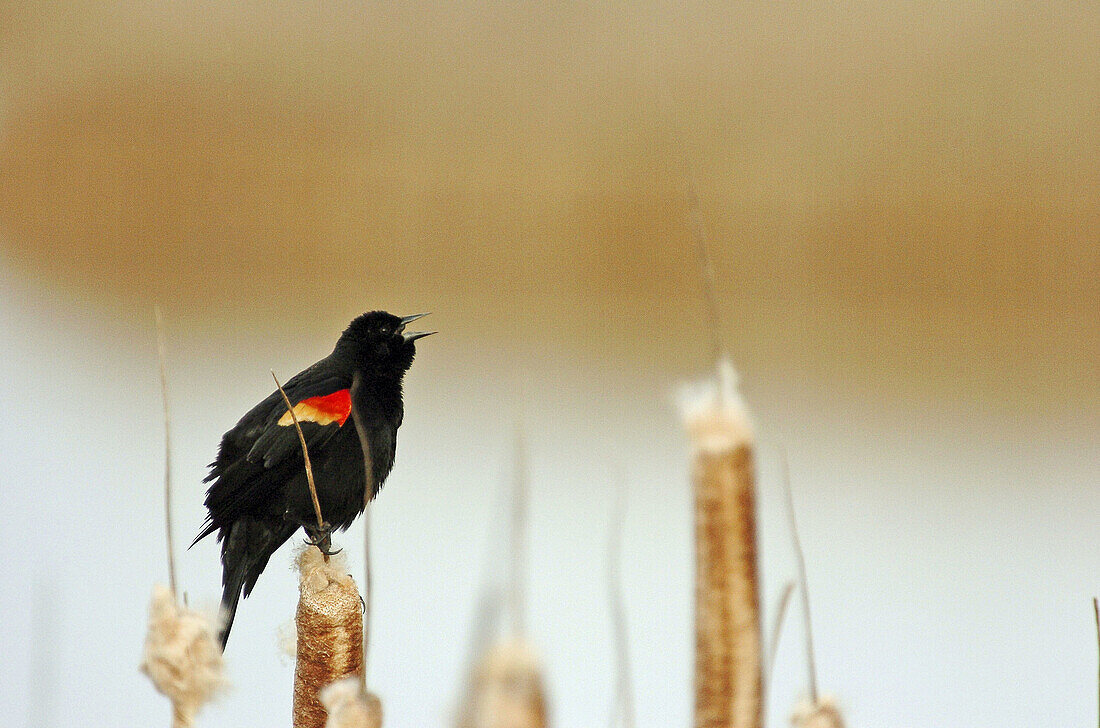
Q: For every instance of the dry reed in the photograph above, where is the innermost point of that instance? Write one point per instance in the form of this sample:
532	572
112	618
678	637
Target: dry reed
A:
777	628
305	456
368	494
163	367
1096	613
811	662
623	707
818	711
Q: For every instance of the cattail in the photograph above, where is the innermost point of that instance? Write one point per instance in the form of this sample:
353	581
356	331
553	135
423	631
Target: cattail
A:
329	623
507	690
822	714
350	706
728	678
182	656
505	687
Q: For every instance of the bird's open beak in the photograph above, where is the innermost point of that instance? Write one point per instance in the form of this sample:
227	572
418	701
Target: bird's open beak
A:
413	335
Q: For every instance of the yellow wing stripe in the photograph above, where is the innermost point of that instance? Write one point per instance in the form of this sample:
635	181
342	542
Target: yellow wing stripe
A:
325	410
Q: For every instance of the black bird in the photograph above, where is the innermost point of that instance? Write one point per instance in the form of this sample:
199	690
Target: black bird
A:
259	495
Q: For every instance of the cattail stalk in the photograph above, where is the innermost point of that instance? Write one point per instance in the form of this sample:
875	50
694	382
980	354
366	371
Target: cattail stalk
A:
1096	613
819	711
811	663
623	712
776	632
167	451
329	622
368	493
728	675
517	570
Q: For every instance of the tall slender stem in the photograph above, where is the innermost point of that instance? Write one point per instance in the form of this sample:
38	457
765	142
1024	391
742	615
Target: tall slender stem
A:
305	456
167	451
1096	610
624	689
367	588
519	527
706	268
368	494
777	630
803	583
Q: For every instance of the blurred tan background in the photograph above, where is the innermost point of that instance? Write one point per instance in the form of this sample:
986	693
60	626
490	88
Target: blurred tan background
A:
901	201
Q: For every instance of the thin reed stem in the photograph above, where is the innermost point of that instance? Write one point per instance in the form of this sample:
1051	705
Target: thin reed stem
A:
624	689
777	631
706	269
811	664
167	450
1096	610
519	527
368	494
368	591
305	456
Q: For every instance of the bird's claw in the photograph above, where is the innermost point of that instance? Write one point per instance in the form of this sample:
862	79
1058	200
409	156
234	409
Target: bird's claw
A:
324	546
322	539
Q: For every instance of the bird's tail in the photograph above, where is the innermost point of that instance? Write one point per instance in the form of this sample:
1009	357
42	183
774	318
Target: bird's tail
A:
246	547
231	594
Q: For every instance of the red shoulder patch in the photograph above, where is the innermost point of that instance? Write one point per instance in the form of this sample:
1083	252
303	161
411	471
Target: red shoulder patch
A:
323	410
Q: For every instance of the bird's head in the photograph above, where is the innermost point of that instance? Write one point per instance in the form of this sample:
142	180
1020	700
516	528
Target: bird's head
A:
378	343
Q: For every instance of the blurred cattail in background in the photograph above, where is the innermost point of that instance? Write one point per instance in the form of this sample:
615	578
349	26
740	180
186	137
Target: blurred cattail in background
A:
820	714
505	687
182	656
349	706
728	662
507	690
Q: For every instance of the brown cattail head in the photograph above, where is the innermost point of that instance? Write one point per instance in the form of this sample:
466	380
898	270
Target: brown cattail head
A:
182	656
507	690
728	677
329	622
823	714
350	706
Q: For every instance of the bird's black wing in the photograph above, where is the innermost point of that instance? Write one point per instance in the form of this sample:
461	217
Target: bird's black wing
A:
264	443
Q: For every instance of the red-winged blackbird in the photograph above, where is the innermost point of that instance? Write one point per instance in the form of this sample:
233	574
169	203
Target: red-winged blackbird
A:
259	495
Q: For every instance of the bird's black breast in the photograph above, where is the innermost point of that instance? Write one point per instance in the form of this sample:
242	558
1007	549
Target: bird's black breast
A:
338	472
340	468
